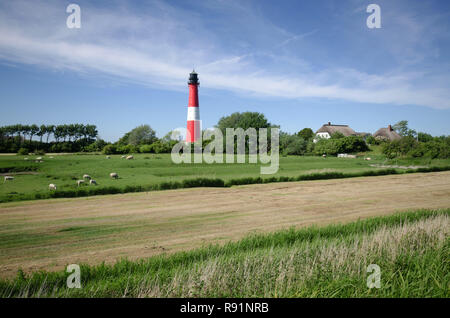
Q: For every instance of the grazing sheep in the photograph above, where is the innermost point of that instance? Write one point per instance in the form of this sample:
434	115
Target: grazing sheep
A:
79	182
324	155
108	157
130	157
86	176
8	178
114	175
52	186
368	158
122	157
92	181
39	158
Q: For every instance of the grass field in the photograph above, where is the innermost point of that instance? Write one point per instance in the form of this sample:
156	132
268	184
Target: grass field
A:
164	237
149	170
48	234
412	250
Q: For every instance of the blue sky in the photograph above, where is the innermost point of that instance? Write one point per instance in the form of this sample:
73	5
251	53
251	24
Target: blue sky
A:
301	63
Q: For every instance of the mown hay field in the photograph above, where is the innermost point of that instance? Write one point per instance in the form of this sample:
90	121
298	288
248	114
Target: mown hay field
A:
411	251
49	234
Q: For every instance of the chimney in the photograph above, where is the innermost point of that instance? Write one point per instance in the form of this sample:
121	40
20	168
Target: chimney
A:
390	128
329	123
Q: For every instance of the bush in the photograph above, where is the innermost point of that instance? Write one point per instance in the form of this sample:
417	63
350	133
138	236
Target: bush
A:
203	182
401	147
145	149
351	144
161	147
337	135
97	145
114	149
127	149
339	144
39	152
433	149
293	145
326	146
109	150
371	140
23	152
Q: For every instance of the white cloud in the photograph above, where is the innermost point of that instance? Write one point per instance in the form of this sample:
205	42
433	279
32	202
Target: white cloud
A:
158	48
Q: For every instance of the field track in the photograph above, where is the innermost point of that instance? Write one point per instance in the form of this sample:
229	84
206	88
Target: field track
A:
49	234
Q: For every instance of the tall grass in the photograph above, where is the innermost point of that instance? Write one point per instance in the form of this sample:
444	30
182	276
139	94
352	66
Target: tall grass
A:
207	182
412	250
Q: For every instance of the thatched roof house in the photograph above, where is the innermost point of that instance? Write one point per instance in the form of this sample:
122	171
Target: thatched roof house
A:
328	129
387	134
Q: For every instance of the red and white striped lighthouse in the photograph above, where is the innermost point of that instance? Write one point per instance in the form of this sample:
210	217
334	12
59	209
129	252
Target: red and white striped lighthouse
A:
193	116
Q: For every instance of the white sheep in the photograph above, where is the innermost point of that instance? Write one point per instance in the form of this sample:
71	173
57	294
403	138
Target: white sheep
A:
86	176
52	186
114	175
92	181
8	178
324	155
108	157
122	157
130	157
79	182
39	158
368	158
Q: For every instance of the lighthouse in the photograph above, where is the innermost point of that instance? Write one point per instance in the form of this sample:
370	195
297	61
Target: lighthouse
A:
193	115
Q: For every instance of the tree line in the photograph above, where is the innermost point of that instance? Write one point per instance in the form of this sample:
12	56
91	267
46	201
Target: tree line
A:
74	136
143	139
71	132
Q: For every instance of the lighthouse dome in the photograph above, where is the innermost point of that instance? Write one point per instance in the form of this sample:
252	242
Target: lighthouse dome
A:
193	78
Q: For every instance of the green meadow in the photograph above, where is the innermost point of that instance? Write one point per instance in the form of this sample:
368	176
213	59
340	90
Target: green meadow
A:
157	171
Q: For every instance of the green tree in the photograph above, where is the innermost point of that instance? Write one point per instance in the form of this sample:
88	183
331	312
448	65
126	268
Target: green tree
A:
25	129
243	120
401	127
91	131
71	131
59	132
403	130
41	132
424	137
34	129
79	131
168	137
142	134
306	133
293	145
50	129
18	129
